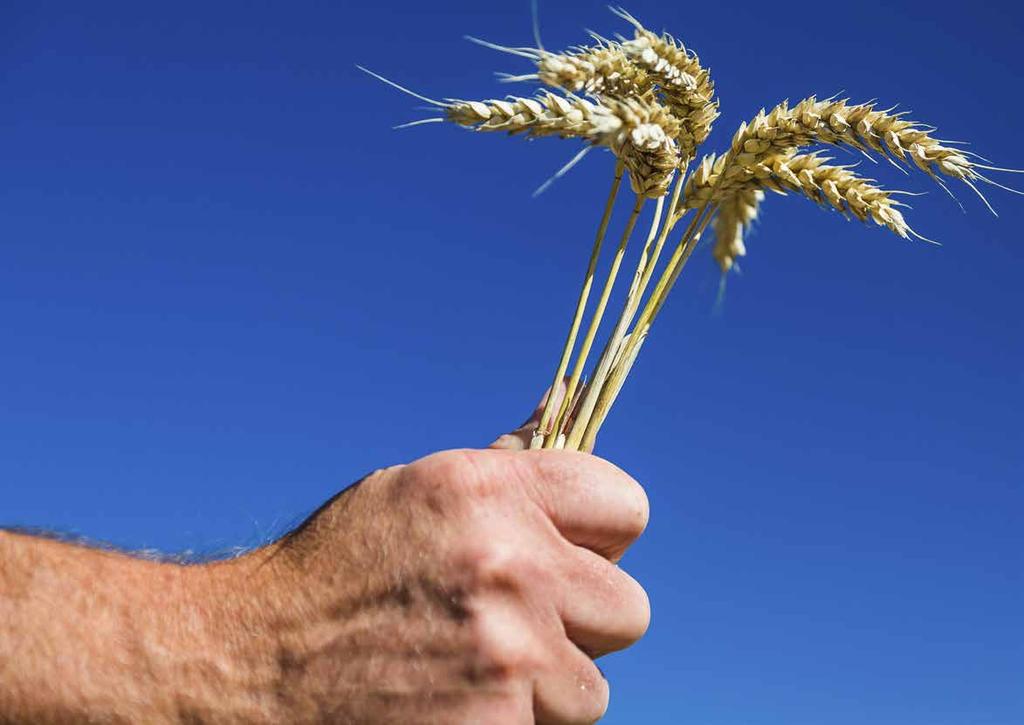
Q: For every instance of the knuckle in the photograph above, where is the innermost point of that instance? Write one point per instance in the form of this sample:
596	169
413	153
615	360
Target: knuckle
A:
448	475
455	468
492	563
503	650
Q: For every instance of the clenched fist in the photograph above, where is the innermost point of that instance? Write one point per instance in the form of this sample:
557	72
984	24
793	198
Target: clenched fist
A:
471	586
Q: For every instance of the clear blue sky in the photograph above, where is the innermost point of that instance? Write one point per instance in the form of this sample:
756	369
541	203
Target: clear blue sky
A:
228	288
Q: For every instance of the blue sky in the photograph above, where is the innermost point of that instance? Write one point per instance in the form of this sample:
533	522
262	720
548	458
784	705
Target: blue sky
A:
228	288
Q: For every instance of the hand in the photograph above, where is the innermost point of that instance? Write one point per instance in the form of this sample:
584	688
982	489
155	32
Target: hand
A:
468	586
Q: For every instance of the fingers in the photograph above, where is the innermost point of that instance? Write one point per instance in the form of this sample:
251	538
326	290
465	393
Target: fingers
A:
531	542
519	439
593	503
573	690
602	607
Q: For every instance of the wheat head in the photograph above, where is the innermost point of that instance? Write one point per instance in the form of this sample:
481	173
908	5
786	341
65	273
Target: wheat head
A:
809	174
837	122
646	144
598	71
685	84
639	131
547	114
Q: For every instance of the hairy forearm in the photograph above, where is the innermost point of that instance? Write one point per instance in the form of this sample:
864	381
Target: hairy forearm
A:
89	635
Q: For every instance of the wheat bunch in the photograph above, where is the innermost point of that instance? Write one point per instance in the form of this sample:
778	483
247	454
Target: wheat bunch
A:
651	102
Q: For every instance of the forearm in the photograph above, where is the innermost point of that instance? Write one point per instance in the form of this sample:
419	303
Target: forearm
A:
96	635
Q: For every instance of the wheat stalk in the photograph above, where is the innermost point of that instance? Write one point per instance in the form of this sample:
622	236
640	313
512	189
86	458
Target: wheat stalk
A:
588	279
595	321
615	341
599	399
645	269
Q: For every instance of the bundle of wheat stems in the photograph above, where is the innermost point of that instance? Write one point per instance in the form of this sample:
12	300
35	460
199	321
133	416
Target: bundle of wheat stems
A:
649	101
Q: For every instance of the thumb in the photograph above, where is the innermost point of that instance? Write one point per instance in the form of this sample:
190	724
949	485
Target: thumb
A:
519	439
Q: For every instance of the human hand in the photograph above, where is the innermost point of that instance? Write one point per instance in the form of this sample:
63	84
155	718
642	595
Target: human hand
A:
467	586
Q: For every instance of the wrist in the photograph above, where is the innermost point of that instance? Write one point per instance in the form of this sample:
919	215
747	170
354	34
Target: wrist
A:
222	641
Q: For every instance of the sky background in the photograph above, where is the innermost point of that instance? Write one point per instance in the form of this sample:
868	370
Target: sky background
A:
228	289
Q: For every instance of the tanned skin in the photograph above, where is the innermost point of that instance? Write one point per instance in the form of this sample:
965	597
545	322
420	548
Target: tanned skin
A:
470	586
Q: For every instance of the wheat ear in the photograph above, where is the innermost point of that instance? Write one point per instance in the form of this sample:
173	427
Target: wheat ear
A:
684	83
640	132
597	71
861	126
809	174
